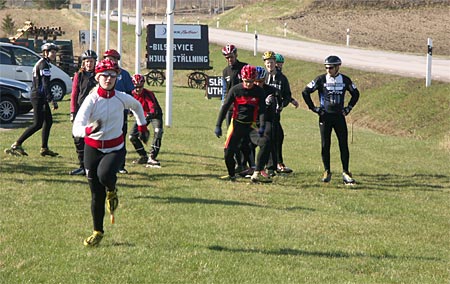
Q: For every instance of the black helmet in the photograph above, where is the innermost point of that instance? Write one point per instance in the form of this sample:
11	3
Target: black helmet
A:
89	54
49	46
332	60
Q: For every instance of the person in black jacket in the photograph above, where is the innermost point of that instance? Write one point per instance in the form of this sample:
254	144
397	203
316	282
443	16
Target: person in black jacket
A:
331	87
248	105
278	80
83	82
41	96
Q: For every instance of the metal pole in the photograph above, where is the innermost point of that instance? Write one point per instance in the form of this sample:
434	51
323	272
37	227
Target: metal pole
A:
119	27
348	37
99	8
138	31
169	61
91	23
107	25
255	48
429	60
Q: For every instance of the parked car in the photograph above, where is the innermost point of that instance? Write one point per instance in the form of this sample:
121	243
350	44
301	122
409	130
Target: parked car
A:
14	99
17	62
114	13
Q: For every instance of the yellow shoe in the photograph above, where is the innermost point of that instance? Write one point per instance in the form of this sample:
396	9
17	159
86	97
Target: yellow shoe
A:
112	201
326	176
94	239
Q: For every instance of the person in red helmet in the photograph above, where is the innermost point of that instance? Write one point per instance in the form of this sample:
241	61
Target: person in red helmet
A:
154	116
99	121
124	84
248	105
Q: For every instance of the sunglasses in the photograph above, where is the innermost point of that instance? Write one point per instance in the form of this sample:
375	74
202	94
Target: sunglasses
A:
329	67
109	74
228	57
248	81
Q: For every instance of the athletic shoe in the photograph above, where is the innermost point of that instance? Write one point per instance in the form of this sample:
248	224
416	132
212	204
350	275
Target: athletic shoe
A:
260	176
112	201
153	162
247	172
228	177
347	178
326	176
78	172
47	152
281	168
94	239
16	150
123	171
141	160
271	173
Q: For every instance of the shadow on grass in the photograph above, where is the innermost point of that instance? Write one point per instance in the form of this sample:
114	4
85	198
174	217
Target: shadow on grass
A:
398	182
330	254
220	202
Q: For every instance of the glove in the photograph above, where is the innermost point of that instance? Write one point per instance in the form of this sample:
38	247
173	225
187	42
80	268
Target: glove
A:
269	100
295	103
261	131
144	134
72	117
55	105
346	110
94	127
318	110
218	131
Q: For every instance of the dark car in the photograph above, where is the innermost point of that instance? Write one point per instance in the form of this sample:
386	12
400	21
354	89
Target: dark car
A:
14	99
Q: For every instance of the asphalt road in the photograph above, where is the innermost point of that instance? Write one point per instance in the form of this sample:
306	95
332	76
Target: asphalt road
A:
369	60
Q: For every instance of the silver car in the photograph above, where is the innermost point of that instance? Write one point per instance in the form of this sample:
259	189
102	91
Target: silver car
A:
17	62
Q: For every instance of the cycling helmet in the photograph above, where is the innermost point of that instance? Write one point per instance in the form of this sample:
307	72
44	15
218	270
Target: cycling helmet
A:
138	80
261	73
106	64
268	55
89	54
332	60
112	53
229	49
248	72
49	46
279	58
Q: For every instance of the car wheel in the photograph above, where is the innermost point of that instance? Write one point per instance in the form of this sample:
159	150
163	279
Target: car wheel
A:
58	90
8	110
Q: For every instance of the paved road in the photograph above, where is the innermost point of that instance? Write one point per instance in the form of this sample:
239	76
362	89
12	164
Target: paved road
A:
379	61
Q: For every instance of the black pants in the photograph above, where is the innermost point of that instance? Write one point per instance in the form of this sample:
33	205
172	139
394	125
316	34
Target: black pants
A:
327	123
102	171
157	124
79	146
42	118
236	135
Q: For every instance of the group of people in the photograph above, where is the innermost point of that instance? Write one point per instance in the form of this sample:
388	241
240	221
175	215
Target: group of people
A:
103	96
253	100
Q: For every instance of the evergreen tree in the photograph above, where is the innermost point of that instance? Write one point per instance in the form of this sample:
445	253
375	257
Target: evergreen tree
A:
8	25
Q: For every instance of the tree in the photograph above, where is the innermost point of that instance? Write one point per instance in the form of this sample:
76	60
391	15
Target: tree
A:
8	25
53	4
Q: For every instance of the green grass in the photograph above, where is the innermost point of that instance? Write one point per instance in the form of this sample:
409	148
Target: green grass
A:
180	224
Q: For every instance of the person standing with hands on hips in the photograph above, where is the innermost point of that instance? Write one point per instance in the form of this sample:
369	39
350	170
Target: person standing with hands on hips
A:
99	120
41	97
331	87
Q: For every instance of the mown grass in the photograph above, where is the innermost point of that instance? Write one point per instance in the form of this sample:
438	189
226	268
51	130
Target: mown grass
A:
180	224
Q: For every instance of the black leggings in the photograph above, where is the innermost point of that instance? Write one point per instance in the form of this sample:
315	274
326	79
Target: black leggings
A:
42	118
101	171
327	123
157	124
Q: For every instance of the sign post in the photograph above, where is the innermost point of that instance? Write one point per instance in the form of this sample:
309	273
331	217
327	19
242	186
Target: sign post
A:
429	60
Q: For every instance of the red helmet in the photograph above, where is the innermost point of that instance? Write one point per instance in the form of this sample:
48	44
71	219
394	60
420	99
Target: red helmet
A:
248	72
106	64
138	80
112	53
228	49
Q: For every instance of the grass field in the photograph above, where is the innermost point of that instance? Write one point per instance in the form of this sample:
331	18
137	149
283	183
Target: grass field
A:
180	224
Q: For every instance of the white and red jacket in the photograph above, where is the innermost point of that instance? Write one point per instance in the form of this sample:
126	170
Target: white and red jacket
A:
108	106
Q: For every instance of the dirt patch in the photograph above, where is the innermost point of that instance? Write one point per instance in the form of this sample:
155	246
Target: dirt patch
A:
402	30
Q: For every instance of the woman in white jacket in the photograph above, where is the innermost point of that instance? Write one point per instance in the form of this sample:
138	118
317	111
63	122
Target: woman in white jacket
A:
99	120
